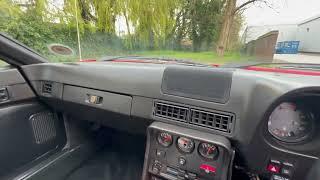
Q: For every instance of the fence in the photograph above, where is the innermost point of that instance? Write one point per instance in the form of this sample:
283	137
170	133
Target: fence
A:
263	48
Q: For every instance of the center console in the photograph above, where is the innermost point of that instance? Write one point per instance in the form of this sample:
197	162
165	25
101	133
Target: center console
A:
175	153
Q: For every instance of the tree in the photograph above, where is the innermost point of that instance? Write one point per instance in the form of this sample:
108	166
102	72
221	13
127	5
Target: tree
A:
230	11
234	38
150	24
86	11
197	20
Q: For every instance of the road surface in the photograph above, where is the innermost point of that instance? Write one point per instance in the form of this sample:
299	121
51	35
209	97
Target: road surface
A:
297	58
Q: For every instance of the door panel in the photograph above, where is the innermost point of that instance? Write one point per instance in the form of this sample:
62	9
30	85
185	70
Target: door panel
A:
28	129
13	84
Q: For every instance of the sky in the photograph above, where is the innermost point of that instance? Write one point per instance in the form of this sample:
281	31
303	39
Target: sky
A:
282	12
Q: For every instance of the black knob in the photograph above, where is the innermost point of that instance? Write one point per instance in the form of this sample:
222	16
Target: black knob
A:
156	167
156	170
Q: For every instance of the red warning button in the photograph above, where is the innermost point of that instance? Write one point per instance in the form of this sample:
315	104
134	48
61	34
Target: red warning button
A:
208	169
273	168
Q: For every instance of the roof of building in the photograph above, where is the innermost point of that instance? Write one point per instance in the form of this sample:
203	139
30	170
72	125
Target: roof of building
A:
309	19
273	25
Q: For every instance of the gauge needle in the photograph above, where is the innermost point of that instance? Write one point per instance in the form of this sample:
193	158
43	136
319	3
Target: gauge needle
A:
209	150
184	142
167	138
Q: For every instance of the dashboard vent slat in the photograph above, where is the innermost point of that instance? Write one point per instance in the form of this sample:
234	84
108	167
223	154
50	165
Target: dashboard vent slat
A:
214	120
47	87
170	111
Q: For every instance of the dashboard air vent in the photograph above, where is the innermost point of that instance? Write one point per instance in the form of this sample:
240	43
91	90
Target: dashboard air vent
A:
212	119
170	111
47	87
218	121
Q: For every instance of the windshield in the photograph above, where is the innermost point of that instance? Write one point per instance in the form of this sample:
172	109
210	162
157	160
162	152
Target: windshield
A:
197	31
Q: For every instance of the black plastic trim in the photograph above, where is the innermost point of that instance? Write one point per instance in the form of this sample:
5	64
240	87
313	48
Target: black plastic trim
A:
16	53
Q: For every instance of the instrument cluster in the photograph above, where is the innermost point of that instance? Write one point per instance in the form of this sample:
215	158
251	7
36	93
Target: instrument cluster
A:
175	152
291	122
186	145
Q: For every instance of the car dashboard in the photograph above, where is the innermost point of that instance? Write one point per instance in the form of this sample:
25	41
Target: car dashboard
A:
201	123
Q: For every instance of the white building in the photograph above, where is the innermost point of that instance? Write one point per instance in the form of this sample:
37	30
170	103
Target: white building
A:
307	32
308	35
287	32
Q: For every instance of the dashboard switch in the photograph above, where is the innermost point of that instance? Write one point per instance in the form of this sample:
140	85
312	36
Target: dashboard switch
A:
156	167
273	168
172	171
288	164
287	171
160	153
208	169
181	178
277	177
274	161
192	176
182	161
93	99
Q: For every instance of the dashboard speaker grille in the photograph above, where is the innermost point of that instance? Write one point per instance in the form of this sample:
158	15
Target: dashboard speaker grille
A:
170	111
43	126
218	121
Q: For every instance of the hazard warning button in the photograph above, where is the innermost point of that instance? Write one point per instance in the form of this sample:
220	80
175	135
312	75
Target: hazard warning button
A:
273	168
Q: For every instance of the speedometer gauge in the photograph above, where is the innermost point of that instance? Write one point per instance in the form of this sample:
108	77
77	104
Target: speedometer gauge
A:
290	123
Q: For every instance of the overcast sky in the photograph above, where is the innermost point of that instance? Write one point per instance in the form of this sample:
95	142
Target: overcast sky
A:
283	12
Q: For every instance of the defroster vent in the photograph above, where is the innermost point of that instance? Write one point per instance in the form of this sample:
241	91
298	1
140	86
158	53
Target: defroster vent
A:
170	111
214	120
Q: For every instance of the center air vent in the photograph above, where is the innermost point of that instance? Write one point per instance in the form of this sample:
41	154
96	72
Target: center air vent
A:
217	120
47	87
170	111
